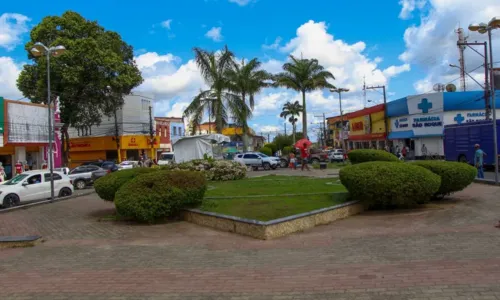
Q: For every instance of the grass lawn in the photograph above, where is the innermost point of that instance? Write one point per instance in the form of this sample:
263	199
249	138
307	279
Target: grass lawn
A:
334	165
278	205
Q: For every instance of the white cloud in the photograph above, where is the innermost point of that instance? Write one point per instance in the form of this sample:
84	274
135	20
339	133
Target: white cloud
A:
241	2
274	45
432	44
9	71
395	70
12	26
214	34
273	66
408	6
166	24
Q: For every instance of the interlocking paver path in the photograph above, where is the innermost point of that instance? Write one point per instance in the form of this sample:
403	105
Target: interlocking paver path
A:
451	252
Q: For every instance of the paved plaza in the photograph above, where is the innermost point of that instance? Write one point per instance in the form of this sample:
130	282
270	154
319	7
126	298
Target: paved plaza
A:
450	251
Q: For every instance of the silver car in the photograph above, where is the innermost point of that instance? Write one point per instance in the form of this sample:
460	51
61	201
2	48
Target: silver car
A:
82	176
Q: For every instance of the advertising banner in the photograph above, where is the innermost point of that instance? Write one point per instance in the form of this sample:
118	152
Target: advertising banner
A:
461	117
421	124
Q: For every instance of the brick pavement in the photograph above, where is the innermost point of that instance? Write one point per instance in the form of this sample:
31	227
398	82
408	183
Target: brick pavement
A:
449	252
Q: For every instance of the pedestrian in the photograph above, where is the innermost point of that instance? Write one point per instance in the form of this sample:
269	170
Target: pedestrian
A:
478	161
293	161
304	154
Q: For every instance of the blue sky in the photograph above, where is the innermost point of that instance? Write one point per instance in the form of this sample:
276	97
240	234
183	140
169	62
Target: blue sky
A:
405	45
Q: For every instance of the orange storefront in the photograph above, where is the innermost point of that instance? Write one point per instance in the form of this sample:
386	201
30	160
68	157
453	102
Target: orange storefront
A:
105	148
367	128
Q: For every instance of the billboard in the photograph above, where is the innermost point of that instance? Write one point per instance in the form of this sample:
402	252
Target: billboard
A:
27	123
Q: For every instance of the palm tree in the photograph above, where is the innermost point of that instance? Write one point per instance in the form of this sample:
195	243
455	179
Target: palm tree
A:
304	75
292	110
218	100
246	80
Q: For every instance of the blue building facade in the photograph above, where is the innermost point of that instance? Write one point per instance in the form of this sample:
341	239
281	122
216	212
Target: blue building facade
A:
417	122
177	131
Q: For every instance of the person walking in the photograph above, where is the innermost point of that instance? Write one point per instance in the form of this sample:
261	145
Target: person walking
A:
478	161
304	154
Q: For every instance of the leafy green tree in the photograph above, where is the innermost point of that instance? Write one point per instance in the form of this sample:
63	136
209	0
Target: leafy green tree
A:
282	140
96	62
290	110
218	100
247	80
304	75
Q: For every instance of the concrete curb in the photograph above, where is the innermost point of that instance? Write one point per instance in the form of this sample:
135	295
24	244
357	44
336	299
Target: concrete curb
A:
486	181
40	202
19	241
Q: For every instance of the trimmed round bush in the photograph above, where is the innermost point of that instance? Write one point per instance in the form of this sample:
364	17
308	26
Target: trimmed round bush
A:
266	151
455	176
389	184
366	155
159	195
271	146
287	150
107	186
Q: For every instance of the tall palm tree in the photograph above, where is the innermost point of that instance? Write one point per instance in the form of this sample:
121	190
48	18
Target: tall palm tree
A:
304	75
218	100
246	80
292	110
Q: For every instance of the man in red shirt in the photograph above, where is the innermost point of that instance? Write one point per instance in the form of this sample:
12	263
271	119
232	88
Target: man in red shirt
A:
304	154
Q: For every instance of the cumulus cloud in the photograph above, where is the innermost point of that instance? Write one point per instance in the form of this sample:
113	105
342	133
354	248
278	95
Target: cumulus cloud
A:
215	34
12	26
408	6
9	71
241	2
432	44
275	45
166	24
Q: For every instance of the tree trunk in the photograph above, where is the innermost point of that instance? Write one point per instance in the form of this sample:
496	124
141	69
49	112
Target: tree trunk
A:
304	116
243	127
293	134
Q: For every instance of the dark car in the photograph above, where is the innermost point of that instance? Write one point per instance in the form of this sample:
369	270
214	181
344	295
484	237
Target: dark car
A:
82	175
107	165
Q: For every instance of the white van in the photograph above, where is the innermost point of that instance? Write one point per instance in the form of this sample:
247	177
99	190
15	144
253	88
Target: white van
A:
166	158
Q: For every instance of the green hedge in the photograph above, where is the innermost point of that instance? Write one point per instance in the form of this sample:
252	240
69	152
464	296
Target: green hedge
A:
107	186
156	196
366	155
266	151
287	150
455	176
389	184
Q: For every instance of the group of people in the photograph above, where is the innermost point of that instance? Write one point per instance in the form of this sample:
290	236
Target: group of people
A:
304	156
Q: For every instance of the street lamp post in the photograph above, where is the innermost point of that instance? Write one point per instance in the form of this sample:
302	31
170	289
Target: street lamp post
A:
38	50
487	28
340	91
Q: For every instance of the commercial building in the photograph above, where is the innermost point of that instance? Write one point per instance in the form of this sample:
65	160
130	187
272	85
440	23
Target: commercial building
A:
204	128
367	128
417	122
338	131
168	130
23	134
126	138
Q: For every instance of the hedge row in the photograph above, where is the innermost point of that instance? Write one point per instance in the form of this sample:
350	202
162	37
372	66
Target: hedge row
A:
366	155
107	186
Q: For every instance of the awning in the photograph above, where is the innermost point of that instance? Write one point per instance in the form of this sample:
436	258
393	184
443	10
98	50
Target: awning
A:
397	135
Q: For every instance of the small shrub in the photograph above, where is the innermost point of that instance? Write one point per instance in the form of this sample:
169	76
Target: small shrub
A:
266	151
389	184
455	176
214	170
287	150
366	155
271	146
155	196
107	186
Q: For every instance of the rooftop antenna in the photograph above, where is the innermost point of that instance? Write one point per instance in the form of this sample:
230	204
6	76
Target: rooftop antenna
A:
461	40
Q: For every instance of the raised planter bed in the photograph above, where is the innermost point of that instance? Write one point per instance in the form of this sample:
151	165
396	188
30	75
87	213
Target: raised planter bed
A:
274	228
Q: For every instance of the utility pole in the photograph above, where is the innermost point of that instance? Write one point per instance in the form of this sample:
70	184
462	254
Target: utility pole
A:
385	111
340	91
117	138
486	75
151	132
324	130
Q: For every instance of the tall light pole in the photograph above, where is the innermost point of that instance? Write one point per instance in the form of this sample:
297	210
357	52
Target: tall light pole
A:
38	50
340	91
487	28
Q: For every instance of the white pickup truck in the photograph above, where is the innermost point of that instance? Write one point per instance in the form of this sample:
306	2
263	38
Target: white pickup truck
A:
257	160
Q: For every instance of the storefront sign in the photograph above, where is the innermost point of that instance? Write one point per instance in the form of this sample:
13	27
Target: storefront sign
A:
425	103
427	121
461	117
420	125
132	142
74	145
360	125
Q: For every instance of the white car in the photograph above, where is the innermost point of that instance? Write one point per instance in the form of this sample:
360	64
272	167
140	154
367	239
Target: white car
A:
256	160
33	185
166	158
128	164
336	155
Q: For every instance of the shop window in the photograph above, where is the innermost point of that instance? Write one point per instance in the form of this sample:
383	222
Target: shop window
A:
175	130
145	104
165	131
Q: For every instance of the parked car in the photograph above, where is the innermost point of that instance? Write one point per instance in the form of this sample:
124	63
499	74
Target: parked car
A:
63	170
336	155
33	185
107	165
82	175
128	164
256	160
166	158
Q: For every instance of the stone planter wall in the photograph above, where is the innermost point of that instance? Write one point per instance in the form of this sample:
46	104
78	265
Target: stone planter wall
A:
274	228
